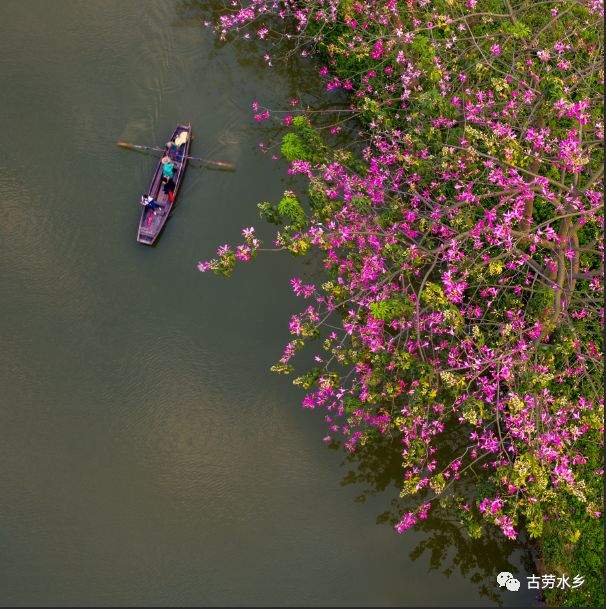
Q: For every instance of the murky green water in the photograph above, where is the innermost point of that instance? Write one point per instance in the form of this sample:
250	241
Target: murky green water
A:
147	455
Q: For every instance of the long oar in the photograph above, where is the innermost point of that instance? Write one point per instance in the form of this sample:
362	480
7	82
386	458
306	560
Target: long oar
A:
206	162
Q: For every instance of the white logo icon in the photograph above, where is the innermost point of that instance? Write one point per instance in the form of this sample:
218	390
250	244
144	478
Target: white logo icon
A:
505	578
513	584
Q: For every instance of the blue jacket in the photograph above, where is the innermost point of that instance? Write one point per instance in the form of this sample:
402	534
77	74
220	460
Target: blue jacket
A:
168	169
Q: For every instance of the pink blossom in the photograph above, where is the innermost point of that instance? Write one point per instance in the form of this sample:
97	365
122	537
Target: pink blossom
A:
262	116
406	522
377	50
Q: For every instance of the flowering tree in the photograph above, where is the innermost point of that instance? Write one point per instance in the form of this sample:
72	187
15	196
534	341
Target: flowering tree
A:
462	307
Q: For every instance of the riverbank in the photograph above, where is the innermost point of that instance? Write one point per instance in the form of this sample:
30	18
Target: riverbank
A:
480	184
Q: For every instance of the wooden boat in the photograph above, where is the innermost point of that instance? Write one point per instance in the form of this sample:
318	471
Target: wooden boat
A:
152	221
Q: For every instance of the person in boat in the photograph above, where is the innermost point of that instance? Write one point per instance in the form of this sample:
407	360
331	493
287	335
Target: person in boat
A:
168	167
172	149
169	188
150	203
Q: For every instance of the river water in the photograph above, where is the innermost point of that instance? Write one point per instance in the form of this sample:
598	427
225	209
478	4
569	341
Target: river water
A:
148	456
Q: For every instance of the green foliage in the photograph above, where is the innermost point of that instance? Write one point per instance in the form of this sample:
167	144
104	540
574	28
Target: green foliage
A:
293	148
302	143
540	302
290	211
433	296
269	213
584	557
309	379
553	88
351	404
517	29
322	206
393	308
422	46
